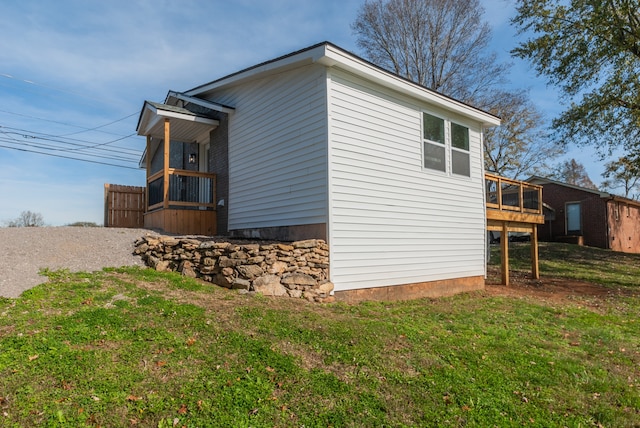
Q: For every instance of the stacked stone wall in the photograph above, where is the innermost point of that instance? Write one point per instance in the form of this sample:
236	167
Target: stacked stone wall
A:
297	269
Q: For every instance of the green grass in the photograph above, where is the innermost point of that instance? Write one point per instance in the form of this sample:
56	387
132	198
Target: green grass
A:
132	347
604	267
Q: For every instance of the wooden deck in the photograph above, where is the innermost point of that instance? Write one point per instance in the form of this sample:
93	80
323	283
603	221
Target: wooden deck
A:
181	202
514	206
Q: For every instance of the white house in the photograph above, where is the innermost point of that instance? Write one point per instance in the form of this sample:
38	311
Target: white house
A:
320	143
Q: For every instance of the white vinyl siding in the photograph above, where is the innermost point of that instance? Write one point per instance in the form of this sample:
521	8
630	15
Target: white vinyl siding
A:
278	150
393	222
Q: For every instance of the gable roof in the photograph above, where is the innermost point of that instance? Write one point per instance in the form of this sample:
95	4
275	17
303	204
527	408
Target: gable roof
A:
330	55
187	125
534	179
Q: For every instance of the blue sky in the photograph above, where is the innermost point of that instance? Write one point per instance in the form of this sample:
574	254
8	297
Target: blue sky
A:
76	73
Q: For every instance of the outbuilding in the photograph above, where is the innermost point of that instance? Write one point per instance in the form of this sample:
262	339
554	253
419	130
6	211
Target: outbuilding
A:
323	144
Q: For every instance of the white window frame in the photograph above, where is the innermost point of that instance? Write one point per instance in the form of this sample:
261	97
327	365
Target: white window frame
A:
449	149
433	143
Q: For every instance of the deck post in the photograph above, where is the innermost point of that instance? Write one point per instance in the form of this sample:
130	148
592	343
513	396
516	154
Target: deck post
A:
504	253
535	271
165	180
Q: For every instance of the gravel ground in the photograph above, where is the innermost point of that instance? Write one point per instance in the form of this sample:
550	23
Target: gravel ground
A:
26	250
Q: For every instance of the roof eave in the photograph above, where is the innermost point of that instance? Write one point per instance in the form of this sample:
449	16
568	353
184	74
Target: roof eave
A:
330	55
335	56
151	114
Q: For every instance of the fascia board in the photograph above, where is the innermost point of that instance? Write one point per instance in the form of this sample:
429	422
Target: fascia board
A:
331	56
198	101
152	115
341	59
293	61
186	117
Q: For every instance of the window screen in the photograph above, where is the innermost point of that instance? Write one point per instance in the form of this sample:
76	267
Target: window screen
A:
433	128
434	150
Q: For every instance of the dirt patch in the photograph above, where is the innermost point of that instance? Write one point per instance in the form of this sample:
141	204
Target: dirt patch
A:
551	289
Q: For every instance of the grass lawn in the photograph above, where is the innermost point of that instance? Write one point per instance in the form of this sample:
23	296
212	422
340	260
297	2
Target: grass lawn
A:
132	347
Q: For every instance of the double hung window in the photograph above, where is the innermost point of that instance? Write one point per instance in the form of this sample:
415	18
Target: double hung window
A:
445	145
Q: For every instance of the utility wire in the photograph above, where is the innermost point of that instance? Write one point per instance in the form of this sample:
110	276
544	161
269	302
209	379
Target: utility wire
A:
79	155
102	126
68	157
83	129
87	144
43	147
96	152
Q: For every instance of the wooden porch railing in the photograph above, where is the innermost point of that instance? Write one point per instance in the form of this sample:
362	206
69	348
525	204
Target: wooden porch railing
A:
513	200
514	206
185	189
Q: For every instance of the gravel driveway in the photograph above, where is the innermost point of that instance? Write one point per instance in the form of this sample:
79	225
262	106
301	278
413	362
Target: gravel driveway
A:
26	250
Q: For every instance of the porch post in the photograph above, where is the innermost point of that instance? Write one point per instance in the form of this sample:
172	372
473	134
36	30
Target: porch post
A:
504	253
146	187
165	169
535	272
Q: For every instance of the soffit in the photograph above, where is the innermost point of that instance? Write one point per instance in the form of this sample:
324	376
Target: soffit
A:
185	125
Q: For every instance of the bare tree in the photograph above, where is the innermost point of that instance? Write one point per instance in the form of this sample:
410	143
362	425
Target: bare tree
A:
520	145
573	172
443	45
623	173
27	219
440	44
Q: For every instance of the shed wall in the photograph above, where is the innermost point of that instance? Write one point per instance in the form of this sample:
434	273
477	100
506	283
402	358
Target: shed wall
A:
391	221
277	150
624	226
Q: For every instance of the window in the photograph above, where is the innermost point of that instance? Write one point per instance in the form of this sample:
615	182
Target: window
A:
436	147
460	150
574	223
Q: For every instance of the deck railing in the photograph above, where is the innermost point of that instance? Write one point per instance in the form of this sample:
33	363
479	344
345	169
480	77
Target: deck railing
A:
185	189
504	194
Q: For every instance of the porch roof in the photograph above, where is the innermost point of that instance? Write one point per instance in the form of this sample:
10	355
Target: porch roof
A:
186	126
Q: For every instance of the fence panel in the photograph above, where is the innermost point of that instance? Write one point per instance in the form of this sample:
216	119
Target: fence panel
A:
124	206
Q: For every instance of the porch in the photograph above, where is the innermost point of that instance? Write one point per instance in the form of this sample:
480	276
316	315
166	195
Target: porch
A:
181	191
181	202
513	206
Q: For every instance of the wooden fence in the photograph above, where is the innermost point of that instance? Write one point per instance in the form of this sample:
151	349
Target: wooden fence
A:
124	206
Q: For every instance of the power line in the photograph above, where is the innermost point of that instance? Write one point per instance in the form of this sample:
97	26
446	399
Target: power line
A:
83	129
102	126
49	149
72	141
68	157
85	151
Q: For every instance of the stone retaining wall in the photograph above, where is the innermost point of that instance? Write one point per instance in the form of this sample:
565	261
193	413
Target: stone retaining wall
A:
298	269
